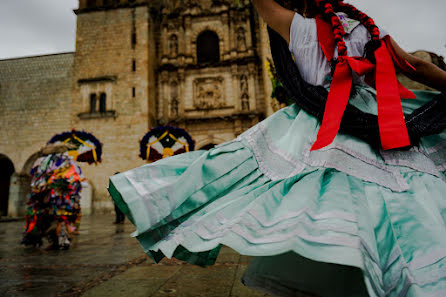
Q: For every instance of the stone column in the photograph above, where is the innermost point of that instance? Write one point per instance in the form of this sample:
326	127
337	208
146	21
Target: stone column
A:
86	198
18	194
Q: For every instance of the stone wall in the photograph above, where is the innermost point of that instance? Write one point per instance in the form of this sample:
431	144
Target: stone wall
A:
35	98
35	101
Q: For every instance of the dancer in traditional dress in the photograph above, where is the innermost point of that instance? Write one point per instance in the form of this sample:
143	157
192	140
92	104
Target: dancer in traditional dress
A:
328	207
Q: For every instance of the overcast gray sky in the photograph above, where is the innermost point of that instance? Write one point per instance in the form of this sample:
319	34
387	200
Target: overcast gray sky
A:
36	27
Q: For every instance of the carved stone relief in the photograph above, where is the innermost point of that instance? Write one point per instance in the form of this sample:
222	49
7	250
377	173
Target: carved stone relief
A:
208	93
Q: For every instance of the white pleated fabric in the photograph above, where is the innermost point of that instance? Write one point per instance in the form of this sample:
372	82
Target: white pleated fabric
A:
310	59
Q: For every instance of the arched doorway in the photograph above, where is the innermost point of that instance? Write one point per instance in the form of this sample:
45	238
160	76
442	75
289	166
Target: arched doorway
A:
20	188
208	146
208	47
6	170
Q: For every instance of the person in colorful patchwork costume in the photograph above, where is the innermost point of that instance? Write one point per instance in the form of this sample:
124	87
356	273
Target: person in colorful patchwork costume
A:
340	194
54	201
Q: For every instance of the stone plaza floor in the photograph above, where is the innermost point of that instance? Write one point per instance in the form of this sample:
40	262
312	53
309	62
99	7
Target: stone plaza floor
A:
105	261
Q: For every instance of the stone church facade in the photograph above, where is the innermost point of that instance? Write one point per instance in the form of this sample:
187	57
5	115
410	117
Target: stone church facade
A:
194	64
198	65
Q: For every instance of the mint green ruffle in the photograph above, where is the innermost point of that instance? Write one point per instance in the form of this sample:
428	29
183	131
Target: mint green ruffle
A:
264	196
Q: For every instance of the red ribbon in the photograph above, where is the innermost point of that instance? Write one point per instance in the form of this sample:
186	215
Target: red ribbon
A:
392	127
401	63
338	97
325	36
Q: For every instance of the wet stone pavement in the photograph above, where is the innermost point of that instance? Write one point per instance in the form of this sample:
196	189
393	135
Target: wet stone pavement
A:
105	261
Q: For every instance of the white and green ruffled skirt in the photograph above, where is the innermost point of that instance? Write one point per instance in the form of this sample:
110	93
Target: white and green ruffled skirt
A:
314	220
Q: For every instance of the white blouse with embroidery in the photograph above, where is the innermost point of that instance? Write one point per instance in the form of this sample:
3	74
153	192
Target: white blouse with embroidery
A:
309	57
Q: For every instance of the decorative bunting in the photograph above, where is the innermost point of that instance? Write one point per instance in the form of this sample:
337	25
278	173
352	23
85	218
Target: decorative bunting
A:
87	148
165	141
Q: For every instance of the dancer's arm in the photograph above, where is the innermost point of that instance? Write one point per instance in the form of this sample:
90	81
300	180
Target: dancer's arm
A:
276	16
427	73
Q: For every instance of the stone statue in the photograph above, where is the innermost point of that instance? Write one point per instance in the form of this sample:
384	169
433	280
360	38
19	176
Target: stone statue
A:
173	45
216	96
241	39
243	84
173	90
174	107
245	102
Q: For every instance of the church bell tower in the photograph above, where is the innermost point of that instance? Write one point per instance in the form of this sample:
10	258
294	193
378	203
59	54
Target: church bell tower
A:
113	82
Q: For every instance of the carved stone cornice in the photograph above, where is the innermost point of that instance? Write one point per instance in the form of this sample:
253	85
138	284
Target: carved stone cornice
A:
194	8
112	5
167	65
110	78
212	118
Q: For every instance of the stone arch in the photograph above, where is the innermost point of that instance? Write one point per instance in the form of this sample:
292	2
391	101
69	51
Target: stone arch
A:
6	171
209	141
216	29
208	47
26	170
20	187
207	146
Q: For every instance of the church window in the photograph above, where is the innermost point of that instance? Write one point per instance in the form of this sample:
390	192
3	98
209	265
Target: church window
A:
133	92
91	3
133	39
103	102
134	65
208	47
93	103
